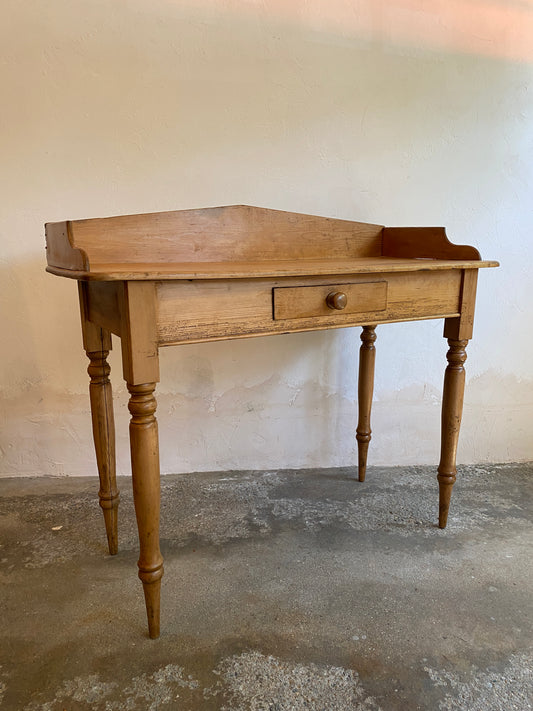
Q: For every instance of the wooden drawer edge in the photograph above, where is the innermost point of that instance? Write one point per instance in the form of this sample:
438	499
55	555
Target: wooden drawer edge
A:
311	301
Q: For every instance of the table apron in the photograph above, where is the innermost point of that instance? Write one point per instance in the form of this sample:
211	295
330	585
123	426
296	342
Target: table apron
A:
199	310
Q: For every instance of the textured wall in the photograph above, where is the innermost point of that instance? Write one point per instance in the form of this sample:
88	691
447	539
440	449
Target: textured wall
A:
384	113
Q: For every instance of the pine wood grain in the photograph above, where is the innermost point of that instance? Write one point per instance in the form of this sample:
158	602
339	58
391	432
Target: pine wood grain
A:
210	310
236	232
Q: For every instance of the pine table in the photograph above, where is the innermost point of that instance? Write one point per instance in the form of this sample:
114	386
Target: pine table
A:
191	276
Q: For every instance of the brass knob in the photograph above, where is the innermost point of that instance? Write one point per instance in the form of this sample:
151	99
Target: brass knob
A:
337	300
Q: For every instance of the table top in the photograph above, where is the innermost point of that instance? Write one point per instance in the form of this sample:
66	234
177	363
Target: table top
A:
242	242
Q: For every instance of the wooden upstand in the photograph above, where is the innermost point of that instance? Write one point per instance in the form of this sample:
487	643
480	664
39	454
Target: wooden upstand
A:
232	272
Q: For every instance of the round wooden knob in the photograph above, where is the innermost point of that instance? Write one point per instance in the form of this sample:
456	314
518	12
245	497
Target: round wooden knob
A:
337	300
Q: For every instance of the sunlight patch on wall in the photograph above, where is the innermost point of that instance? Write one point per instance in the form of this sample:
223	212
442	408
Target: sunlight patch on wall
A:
490	28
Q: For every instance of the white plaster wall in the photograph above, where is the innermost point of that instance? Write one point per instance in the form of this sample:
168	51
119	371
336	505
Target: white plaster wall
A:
383	112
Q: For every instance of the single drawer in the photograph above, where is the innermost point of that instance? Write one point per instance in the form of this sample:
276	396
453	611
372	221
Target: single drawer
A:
329	299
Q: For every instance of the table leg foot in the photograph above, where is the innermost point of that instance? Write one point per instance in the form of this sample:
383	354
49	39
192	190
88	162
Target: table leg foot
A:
362	453
111	524
146	495
152	597
452	408
367	358
445	495
101	397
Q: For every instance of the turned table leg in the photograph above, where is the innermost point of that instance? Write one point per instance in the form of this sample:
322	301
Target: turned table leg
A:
145	473
452	408
140	362
367	358
103	422
97	344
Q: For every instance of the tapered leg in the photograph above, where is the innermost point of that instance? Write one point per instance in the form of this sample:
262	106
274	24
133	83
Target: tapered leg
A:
101	397
367	359
97	344
145	473
452	408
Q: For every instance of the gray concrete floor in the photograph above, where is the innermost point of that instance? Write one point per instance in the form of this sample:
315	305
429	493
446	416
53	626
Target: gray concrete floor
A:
283	590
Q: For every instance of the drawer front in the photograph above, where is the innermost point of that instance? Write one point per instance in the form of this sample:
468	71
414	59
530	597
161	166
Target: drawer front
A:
329	299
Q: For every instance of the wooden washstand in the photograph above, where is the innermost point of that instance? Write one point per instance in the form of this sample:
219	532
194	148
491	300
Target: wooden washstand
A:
191	276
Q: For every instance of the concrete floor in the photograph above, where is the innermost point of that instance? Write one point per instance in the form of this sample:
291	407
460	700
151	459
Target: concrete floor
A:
283	590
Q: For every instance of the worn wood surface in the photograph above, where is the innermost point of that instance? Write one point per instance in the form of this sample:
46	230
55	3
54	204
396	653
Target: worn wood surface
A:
210	310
